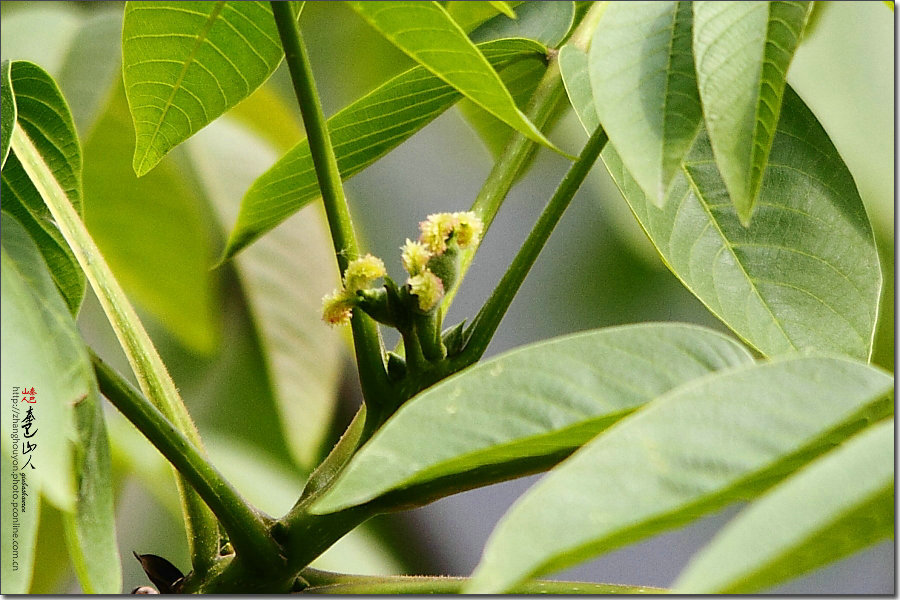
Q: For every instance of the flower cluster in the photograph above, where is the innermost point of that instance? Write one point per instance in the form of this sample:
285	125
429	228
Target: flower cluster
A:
422	259
337	307
436	230
431	262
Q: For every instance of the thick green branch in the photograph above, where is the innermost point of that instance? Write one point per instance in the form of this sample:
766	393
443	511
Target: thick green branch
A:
148	367
366	339
246	528
324	582
488	319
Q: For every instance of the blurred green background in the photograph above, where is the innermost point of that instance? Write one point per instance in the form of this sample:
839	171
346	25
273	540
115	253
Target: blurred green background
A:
162	234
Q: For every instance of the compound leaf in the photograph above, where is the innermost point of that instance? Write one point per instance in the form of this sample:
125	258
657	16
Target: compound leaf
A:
645	90
42	113
742	51
425	32
705	444
804	275
529	408
838	504
186	63
361	133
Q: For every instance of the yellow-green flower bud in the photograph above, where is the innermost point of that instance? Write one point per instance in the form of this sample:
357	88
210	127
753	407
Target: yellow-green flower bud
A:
428	288
435	230
468	229
414	257
337	307
362	272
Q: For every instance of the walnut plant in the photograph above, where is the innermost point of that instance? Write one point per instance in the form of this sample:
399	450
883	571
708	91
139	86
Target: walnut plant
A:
120	173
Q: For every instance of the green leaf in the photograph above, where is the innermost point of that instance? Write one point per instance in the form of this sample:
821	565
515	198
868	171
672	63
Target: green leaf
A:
573	65
154	379
83	53
8	113
361	133
645	89
91	68
162	258
838	504
284	277
529	408
154	235
504	8
804	275
471	13
72	454
19	529
42	113
41	350
544	22
742	51
57	24
776	289
186	63
521	79
425	32
55	572
91	529
704	445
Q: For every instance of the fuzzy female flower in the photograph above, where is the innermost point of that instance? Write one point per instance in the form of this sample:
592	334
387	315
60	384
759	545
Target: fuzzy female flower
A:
415	256
337	307
435	230
428	288
362	272
468	229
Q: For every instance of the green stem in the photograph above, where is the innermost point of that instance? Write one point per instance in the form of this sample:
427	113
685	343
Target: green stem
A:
320	479
148	367
429	336
549	93
366	338
246	528
324	582
509	165
324	160
488	319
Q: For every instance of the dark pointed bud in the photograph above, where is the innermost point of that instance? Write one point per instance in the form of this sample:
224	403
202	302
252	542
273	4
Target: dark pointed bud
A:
163	574
396	366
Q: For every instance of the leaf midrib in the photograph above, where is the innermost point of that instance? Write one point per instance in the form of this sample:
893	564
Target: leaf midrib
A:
198	42
726	243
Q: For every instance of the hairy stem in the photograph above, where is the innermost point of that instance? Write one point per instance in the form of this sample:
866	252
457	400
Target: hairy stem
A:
324	582
366	338
488	319
148	367
246	528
